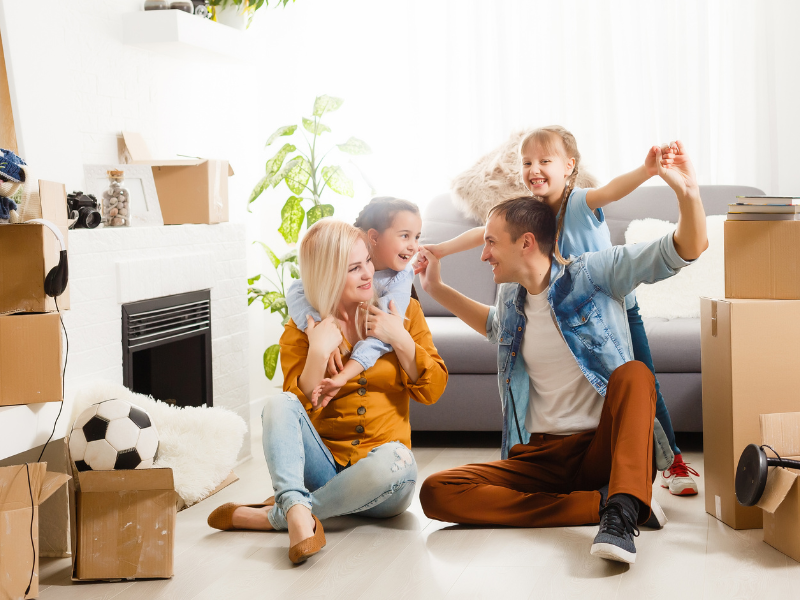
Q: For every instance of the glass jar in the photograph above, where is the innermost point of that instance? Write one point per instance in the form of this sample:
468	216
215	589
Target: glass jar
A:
156	5
116	200
185	5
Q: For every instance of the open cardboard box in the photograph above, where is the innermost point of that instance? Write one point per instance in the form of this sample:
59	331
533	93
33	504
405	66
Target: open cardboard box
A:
190	190
18	498
781	499
29	251
30	347
123	524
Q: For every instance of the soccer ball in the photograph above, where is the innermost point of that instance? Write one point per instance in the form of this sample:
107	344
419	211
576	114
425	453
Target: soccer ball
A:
113	434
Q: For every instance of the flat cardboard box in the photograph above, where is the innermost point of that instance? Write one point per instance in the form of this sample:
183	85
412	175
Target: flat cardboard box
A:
29	251
762	259
30	369
191	190
748	350
123	524
781	499
16	554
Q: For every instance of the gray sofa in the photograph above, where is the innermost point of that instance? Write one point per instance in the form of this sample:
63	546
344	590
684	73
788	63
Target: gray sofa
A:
471	401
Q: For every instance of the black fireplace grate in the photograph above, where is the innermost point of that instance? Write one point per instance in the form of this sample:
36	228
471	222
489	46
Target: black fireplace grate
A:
168	323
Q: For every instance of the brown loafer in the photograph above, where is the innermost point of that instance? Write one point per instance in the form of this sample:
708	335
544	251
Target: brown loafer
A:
222	517
308	547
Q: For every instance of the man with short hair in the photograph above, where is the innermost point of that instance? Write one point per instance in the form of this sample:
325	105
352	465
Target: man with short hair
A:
578	431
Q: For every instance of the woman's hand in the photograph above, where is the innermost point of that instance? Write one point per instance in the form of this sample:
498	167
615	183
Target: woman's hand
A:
323	337
387	327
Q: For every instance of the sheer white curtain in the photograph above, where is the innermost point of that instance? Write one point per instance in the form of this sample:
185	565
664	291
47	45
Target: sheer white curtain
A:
432	85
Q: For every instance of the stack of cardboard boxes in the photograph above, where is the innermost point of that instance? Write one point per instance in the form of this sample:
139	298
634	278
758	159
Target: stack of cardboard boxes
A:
749	342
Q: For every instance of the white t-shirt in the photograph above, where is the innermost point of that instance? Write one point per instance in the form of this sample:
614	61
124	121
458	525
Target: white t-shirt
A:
562	401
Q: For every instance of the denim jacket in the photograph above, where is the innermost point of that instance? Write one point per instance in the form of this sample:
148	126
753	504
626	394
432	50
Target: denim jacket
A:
587	300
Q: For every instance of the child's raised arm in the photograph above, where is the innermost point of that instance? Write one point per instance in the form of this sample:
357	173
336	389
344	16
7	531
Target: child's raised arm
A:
621	186
466	241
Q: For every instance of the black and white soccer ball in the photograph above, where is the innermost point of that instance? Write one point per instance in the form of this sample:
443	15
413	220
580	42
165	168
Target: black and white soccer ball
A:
113	434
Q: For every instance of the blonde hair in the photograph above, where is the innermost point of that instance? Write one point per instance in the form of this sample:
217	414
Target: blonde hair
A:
545	137
324	257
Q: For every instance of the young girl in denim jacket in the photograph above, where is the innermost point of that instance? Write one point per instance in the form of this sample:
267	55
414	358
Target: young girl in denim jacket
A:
393	228
550	166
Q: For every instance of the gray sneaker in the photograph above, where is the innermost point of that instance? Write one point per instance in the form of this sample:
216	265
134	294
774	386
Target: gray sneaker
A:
614	541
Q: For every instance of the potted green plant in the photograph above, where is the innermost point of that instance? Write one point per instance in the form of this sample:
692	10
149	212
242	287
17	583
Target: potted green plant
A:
308	176
238	13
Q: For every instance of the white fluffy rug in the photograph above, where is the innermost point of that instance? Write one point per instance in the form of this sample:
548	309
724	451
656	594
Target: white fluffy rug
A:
199	444
679	296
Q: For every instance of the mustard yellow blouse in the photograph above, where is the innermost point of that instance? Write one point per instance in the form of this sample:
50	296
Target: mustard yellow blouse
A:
371	409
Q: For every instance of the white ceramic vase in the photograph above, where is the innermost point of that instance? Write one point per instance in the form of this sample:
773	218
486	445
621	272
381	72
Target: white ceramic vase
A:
231	17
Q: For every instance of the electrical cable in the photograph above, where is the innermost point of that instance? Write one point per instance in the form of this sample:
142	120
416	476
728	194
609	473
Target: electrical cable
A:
33	546
63	381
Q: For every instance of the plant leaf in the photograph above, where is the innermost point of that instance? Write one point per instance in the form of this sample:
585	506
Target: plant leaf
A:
252	280
274	164
281	175
271	360
260	187
317	129
355	146
281	131
269	298
285	320
290	256
278	305
320	211
298	175
323	104
270	254
336	179
292	215
294	270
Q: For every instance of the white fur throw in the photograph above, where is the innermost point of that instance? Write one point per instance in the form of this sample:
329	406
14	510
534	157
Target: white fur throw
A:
679	296
496	177
199	444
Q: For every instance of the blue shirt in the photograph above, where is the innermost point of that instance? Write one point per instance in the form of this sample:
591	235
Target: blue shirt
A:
587	300
585	230
389	285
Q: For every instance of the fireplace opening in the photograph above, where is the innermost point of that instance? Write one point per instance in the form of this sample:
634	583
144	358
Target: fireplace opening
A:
167	348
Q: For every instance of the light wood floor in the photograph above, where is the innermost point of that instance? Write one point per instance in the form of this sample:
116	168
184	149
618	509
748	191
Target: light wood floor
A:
412	557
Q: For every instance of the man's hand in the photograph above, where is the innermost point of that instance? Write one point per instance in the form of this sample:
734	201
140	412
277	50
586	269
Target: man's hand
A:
676	169
430	272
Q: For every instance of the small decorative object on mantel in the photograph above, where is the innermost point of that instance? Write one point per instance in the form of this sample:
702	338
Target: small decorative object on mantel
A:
185	5
84	209
201	9
116	200
156	5
128	194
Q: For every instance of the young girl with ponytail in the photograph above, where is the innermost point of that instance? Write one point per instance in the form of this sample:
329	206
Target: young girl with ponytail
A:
393	228
551	165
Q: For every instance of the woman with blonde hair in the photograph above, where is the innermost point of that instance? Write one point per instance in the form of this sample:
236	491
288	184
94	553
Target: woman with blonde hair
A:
351	456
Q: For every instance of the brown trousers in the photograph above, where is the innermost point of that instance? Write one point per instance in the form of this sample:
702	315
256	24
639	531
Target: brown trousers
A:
552	481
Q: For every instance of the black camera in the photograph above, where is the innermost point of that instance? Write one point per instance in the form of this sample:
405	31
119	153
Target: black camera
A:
83	208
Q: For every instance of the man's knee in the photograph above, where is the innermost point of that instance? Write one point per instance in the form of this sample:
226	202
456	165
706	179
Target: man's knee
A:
431	492
633	373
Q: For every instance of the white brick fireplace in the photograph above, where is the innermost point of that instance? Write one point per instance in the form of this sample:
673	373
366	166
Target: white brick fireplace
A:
113	266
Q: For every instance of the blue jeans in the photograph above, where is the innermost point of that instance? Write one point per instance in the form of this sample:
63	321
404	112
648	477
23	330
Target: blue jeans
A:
641	352
303	470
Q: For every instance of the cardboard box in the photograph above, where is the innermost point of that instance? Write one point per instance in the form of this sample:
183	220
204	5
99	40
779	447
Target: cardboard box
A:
748	361
193	190
781	498
30	369
17	500
29	251
762	259
123	524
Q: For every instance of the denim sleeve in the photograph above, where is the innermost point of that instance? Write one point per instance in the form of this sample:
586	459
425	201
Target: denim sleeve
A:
299	308
620	269
398	288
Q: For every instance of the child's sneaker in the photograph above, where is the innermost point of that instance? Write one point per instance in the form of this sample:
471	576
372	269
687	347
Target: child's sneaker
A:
678	478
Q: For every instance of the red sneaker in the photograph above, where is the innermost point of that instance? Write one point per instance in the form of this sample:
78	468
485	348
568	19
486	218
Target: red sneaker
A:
678	478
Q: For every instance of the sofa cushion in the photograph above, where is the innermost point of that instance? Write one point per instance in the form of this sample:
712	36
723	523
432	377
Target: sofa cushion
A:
463	349
463	271
674	344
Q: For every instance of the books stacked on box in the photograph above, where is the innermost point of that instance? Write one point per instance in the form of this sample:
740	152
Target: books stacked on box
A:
765	208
